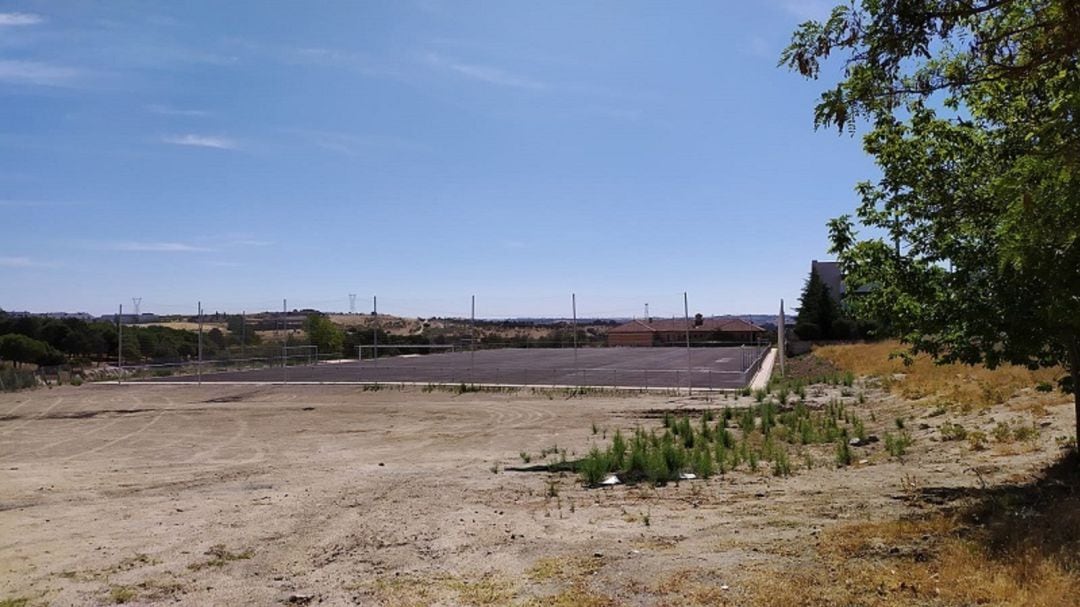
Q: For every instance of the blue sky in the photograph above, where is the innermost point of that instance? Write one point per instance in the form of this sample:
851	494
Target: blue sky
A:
241	153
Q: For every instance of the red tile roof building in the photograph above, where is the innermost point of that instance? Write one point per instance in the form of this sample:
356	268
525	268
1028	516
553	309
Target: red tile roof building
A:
668	332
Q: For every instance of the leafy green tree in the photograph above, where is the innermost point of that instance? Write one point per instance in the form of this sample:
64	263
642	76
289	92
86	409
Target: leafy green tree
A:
973	116
322	332
22	349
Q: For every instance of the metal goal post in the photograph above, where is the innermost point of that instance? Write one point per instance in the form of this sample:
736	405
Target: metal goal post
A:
306	355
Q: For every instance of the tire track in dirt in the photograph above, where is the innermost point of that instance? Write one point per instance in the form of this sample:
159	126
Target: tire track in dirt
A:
117	440
41	414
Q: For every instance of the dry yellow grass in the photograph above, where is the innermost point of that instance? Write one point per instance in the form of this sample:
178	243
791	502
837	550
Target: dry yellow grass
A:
955	384
567	568
1013	546
414	591
187	326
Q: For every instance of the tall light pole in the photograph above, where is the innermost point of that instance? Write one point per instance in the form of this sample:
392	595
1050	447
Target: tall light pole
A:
198	368
120	344
573	306
689	358
781	334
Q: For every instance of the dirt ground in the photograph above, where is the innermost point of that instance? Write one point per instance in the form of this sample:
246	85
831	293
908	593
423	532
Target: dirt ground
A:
251	495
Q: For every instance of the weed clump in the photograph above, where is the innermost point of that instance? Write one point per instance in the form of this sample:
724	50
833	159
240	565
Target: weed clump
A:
759	436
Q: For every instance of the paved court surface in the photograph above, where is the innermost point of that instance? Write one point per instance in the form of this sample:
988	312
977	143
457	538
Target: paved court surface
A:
598	367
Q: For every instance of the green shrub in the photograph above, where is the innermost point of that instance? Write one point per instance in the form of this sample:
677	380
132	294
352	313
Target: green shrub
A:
594	467
976	440
950	431
703	463
1025	433
618	450
897	444
781	464
656	468
843	452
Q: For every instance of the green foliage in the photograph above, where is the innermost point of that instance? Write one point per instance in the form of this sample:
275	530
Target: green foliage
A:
23	349
950	431
781	464
843	452
817	310
618	450
324	334
896	444
973	245
594	467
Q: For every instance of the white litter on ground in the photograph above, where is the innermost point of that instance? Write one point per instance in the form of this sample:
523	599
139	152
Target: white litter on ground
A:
611	480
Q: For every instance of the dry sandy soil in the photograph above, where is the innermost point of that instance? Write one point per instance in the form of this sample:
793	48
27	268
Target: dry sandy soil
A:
251	495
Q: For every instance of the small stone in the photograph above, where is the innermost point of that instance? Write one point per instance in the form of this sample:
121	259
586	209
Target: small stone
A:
300	599
381	464
598	554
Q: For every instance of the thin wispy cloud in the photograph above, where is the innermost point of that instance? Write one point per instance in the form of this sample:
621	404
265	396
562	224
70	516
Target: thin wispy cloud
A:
166	110
252	243
38	73
24	262
352	144
328	57
484	73
202	141
154	247
14	19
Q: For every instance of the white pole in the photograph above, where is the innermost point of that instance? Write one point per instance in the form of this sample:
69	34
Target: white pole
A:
375	335
689	358
198	368
285	341
780	335
120	345
573	305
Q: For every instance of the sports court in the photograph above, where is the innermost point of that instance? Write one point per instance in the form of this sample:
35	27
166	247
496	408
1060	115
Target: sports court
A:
644	368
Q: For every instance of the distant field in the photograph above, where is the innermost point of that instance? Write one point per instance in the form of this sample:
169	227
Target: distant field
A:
186	326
